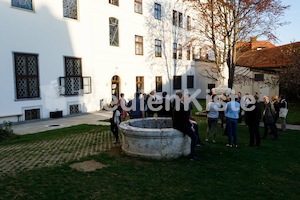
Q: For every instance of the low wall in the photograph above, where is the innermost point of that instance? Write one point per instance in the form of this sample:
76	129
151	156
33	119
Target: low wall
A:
153	138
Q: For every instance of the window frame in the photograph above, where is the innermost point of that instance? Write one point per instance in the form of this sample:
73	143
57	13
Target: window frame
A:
188	23
157	11
139	81
158	83
67	14
174	50
138	6
175	18
177	82
158	48
112	40
139	45
180	19
190	81
27	76
259	77
84	82
188	53
179	57
114	2
15	4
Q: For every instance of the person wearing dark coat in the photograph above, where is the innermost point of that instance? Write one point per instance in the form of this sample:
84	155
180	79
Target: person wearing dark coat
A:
268	118
252	119
182	123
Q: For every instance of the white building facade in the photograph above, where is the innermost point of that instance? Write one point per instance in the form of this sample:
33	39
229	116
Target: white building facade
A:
73	55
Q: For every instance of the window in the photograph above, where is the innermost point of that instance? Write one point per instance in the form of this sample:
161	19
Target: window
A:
188	23
193	53
113	31
177	82
70	9
210	87
138	45
188	53
180	52
24	4
158	84
175	19
174	50
157	48
140	84
259	77
157	11
114	2
32	114
27	76
190	82
180	18
138	6
73	83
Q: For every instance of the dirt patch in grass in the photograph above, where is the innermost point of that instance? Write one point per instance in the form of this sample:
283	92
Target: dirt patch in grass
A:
88	166
115	151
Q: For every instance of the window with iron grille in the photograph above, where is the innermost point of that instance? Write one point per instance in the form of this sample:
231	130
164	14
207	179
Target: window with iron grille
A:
138	45
27	76
114	2
157	48
157	11
177	82
113	31
74	109
24	4
32	114
158	83
74	83
70	9
139	84
174	50
138	6
190	82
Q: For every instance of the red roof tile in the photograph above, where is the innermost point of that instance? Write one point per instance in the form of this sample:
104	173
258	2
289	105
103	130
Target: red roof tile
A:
273	57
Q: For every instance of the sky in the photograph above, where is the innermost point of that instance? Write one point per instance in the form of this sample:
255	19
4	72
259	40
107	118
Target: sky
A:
291	32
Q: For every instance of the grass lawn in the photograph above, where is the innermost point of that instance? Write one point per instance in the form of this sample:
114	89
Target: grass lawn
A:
269	172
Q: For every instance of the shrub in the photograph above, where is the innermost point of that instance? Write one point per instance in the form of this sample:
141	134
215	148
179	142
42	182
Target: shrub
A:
6	133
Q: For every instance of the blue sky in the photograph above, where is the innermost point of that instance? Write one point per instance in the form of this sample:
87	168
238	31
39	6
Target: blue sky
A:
291	32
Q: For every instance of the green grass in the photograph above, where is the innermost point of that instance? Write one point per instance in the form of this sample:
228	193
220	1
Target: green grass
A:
269	172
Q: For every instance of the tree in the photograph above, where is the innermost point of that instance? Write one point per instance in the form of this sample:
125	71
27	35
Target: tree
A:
224	23
289	75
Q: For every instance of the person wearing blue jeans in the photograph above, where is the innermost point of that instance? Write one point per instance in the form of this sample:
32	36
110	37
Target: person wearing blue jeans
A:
232	116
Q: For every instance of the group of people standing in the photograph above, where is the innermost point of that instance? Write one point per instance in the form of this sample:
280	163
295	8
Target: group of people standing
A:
231	115
226	107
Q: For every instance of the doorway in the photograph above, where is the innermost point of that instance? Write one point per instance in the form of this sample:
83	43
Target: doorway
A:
115	86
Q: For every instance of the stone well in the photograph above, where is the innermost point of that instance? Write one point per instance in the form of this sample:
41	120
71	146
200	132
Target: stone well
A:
153	138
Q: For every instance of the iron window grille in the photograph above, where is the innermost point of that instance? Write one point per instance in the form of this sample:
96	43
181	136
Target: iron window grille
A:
27	75
24	4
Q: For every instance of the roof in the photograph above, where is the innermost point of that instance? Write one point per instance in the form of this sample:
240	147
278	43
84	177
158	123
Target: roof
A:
274	57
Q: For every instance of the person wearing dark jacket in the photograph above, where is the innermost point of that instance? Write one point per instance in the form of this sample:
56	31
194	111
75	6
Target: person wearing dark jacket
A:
252	119
182	123
268	118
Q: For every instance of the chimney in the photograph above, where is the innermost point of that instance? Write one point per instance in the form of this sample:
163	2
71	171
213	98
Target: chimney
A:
253	39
